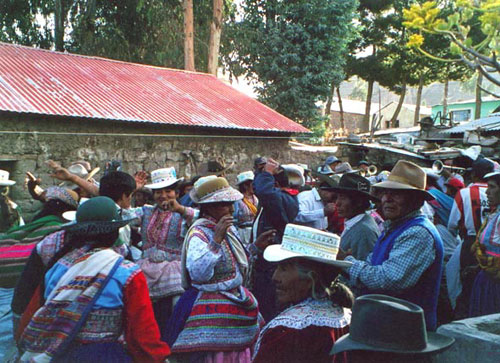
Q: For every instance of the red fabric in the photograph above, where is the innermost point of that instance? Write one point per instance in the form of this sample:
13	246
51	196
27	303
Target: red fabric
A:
31	309
312	344
455	183
336	223
141	331
290	191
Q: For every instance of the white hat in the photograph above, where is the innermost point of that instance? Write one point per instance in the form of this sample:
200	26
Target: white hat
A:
213	189
306	242
81	171
4	179
245	176
295	175
163	178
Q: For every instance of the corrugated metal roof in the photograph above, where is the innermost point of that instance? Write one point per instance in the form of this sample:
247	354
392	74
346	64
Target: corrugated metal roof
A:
488	123
54	83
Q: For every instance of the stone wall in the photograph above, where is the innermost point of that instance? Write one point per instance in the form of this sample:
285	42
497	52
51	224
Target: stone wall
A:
29	143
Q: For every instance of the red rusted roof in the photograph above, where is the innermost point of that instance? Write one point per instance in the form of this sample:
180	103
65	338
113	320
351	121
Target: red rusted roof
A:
53	83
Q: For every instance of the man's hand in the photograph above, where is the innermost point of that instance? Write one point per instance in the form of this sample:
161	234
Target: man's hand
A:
58	171
265	239
221	228
272	166
341	255
141	179
329	209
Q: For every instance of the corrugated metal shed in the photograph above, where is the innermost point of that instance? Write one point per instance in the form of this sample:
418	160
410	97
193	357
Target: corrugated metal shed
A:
53	83
489	123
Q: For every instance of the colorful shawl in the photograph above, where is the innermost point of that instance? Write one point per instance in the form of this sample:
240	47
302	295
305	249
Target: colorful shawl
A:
220	322
487	246
310	312
67	305
251	206
16	246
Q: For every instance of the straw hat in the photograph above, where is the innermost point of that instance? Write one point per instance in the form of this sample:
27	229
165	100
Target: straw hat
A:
213	189
163	178
4	179
98	215
295	175
387	324
406	176
245	176
306	242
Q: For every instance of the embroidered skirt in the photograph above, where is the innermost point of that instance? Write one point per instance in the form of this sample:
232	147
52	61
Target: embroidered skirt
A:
485	297
163	278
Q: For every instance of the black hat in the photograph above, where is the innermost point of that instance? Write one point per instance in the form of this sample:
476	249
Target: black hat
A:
354	183
481	167
387	324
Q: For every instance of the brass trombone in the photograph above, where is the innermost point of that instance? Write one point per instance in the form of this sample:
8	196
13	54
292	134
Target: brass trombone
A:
438	167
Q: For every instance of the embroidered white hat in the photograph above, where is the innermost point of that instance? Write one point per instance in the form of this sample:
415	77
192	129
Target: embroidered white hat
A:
306	242
163	178
4	179
295	175
244	176
213	189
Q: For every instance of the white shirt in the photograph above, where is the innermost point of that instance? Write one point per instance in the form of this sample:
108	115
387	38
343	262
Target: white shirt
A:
311	210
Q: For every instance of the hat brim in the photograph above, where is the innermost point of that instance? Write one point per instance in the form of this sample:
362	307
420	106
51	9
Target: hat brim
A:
7	183
275	253
324	178
95	227
354	191
226	195
389	184
245	180
435	344
489	175
163	184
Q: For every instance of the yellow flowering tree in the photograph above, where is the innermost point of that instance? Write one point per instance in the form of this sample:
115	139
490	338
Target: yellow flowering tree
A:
472	27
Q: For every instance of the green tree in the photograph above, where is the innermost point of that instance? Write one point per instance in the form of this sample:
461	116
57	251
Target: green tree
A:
293	49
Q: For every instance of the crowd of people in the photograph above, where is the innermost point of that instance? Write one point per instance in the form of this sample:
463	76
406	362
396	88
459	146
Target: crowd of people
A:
290	265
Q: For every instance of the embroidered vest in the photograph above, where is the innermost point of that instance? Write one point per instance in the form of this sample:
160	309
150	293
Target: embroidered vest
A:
425	292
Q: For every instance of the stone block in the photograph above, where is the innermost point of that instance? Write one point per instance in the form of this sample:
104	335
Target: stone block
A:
476	340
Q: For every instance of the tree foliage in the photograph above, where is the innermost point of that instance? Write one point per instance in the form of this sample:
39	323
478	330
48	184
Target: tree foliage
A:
293	49
472	28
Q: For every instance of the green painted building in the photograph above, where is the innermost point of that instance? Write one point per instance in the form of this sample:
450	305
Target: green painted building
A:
464	111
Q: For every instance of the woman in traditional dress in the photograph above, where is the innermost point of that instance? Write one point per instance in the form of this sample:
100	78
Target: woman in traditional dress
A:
216	319
485	297
316	311
93	297
245	210
10	215
163	227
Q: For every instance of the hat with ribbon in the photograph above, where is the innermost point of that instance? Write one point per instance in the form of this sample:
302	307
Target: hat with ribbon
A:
163	178
65	195
306	242
406	176
295	175
352	183
98	215
4	179
245	176
81	171
213	189
386	324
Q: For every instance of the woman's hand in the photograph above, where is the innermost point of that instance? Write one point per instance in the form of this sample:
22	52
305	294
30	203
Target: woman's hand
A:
221	228
141	179
265	239
174	206
272	166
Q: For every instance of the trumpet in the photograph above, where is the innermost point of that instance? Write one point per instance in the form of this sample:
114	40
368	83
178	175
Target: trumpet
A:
438	167
372	170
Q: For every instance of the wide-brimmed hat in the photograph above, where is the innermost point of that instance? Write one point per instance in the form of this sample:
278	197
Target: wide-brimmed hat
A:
81	171
214	167
4	179
407	176
306	242
163	178
98	215
386	324
326	182
331	159
65	195
213	189
352	183
325	170
295	175
245	176
344	167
